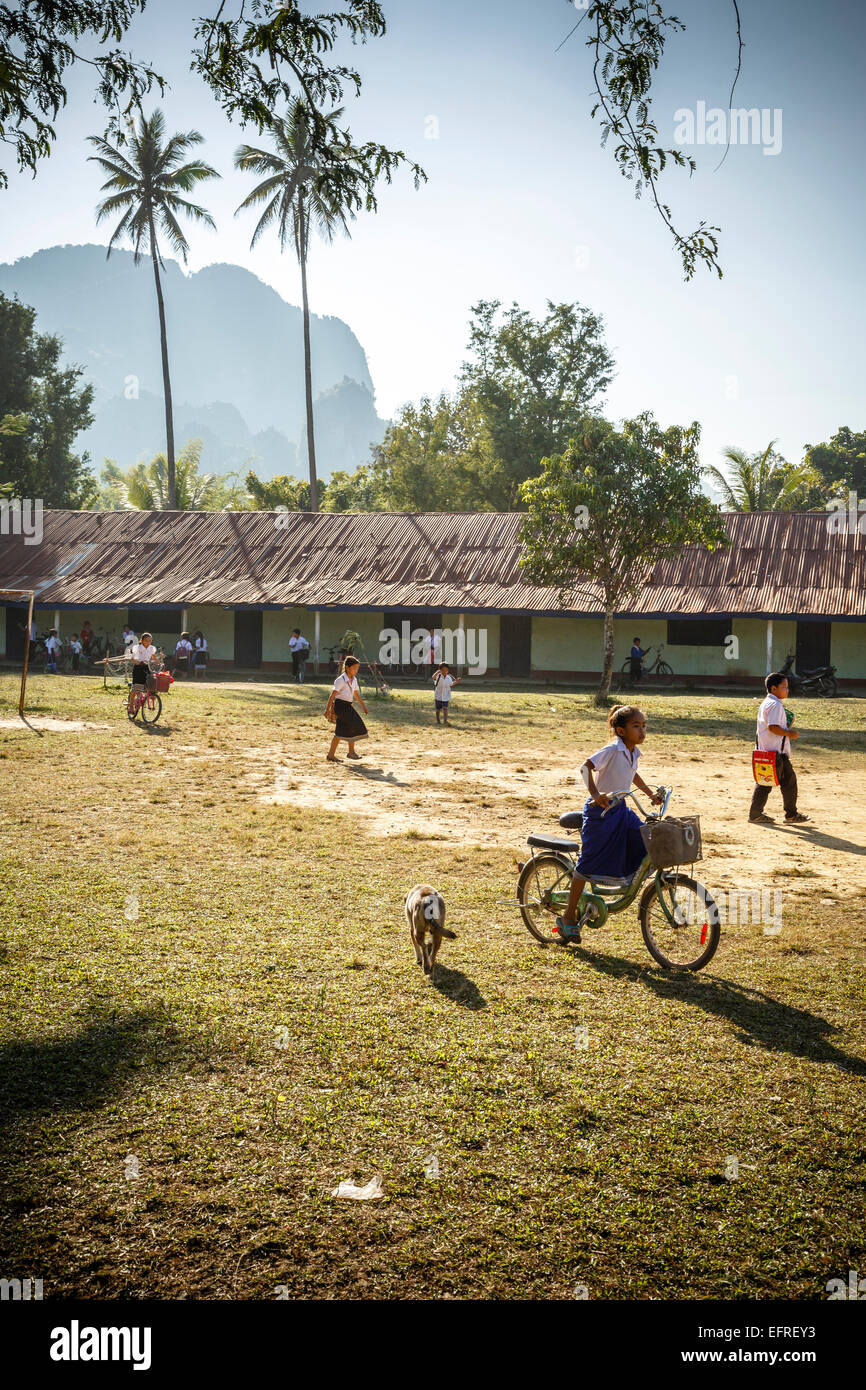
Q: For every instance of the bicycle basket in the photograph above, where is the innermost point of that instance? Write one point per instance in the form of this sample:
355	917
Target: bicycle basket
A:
674	840
164	680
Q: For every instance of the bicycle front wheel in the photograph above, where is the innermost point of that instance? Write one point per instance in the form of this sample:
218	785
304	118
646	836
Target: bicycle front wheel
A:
680	922
152	708
664	674
540	879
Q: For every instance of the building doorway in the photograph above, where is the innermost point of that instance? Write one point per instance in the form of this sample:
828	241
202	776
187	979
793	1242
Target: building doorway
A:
248	638
515	646
16	631
813	645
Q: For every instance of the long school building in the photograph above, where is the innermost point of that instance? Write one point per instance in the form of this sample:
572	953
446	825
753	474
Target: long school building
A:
787	582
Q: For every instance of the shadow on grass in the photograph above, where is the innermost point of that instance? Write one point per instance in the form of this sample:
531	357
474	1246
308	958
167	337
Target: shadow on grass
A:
377	774
457	986
811	836
762	1020
79	1072
160	730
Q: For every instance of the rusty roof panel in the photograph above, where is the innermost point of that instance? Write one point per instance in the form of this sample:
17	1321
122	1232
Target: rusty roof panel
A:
778	563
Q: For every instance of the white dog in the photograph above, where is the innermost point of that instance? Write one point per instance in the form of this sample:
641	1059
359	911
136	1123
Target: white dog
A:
425	913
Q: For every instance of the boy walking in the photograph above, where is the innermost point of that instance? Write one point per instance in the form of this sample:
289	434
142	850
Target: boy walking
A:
774	736
443	683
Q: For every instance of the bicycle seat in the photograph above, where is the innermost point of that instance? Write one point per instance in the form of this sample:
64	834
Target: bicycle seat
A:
553	842
602	882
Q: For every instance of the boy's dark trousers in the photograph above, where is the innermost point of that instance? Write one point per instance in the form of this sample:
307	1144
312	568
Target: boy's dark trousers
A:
636	667
75	656
787	786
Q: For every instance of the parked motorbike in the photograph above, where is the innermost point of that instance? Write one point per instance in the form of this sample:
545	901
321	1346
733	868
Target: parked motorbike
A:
821	681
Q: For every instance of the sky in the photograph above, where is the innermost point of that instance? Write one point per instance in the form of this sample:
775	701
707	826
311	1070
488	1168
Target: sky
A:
523	205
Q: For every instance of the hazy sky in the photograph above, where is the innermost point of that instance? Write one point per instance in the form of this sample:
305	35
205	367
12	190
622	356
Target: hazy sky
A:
522	204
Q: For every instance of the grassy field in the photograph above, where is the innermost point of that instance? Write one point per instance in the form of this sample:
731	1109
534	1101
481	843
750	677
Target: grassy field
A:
212	1013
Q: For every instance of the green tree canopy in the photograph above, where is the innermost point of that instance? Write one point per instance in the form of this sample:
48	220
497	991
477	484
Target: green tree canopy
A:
841	462
43	407
534	382
145	486
38	41
765	482
602	514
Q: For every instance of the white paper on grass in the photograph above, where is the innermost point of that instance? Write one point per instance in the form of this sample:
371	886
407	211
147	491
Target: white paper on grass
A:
368	1193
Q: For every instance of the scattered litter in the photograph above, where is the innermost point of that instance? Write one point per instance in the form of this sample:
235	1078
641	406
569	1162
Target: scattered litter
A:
369	1193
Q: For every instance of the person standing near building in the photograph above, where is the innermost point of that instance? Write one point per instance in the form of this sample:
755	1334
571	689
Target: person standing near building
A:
53	649
636	656
76	649
300	649
182	653
443	683
199	654
774	736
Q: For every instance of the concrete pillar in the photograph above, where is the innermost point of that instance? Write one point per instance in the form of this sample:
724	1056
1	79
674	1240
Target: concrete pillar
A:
316	632
184	620
769	645
56	622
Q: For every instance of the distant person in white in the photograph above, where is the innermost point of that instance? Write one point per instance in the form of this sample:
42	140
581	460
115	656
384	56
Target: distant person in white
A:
774	736
300	649
443	683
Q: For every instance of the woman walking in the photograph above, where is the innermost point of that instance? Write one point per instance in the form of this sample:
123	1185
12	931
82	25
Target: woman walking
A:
341	711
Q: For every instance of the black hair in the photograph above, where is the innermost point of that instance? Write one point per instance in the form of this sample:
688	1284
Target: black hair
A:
619	717
774	679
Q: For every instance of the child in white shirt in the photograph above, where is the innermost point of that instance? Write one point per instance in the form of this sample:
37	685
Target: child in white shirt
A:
443	683
774	736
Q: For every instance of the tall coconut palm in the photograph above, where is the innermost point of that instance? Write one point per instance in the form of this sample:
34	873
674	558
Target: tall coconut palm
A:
297	196
761	482
145	185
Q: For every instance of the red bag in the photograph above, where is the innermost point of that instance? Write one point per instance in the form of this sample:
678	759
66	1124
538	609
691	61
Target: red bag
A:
164	680
764	768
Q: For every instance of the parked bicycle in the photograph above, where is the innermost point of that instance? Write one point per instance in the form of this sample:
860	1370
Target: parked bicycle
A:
678	916
657	672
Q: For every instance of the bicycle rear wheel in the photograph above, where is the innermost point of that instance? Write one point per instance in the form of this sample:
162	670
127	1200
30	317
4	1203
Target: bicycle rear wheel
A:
151	709
663	673
539	879
683	931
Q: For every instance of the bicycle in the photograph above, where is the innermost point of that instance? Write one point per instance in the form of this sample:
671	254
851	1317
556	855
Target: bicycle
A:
146	702
678	916
657	673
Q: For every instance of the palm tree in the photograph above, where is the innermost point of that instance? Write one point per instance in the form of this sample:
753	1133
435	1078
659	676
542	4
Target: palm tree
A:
296	196
144	486
761	482
146	186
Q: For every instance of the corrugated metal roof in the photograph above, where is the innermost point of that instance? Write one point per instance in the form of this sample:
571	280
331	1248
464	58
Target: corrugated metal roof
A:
778	563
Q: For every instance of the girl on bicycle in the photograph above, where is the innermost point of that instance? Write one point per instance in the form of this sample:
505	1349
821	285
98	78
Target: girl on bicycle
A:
144	657
612	846
348	722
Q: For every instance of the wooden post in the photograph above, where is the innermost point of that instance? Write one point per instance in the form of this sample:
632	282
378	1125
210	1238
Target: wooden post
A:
26	656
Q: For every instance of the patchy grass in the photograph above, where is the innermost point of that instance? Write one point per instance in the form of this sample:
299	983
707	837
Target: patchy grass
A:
213	989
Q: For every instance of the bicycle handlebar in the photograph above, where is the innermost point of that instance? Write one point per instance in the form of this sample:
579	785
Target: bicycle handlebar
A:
616	797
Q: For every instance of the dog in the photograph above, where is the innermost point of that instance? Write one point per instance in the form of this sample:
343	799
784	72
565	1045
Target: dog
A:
425	913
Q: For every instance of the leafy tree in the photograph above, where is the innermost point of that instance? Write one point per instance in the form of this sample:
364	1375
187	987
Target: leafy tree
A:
262	62
146	187
534	381
841	462
436	457
604	513
360	491
281	492
37	46
764	482
145	486
627	40
295	197
43	406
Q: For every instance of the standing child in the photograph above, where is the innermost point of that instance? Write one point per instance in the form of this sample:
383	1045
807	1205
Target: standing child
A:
636	656
52	651
182	653
443	683
612	843
348	722
773	735
76	649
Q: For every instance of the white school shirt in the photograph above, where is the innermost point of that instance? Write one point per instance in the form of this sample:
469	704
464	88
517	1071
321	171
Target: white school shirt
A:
52	645
76	647
443	686
614	767
128	636
143	654
772	711
295	642
345	687
183	648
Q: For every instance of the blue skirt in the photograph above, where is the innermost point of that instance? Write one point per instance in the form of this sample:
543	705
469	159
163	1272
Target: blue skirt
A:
613	847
